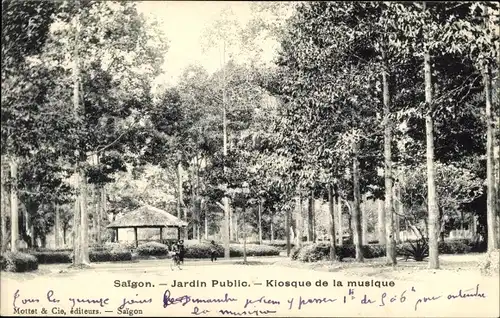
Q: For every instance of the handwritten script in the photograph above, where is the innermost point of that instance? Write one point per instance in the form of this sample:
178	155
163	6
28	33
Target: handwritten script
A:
173	301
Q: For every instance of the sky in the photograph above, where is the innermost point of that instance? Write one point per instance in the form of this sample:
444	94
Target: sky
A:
184	23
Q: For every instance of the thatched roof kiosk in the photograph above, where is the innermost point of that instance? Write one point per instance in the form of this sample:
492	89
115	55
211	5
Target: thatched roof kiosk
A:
148	217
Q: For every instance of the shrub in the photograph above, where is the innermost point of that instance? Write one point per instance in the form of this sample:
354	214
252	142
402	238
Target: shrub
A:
369	251
477	246
321	251
152	249
43	249
52	257
373	250
251	242
346	251
417	250
99	247
313	252
294	253
454	247
18	262
281	244
113	246
120	245
109	256
98	253
202	250
254	250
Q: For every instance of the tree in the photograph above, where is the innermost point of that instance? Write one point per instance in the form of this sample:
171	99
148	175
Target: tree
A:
24	30
326	85
453	33
110	90
222	34
331	207
431	184
489	62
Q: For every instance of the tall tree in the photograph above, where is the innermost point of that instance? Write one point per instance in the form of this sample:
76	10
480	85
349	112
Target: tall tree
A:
489	62
106	111
388	177
331	207
24	30
80	217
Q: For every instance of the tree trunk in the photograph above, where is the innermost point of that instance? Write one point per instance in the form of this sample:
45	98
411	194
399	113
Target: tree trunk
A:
272	227
356	217
194	216
64	236
43	240
260	221
364	222
287	231
31	225
331	206
104	209
244	236
198	201
310	216
236	229
399	214
298	221
206	224
180	208
490	167
14	207
231	225
389	216
4	211
496	141
57	226
84	220
349	226
179	190
23	227
432	204
395	207
93	232
98	215
224	128
77	247
80	228
474	226
381	222
341	222
315	235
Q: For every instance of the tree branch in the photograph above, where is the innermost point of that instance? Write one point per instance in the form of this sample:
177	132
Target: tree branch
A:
110	144
220	205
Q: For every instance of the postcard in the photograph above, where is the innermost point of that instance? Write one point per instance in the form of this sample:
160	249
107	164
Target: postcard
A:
250	159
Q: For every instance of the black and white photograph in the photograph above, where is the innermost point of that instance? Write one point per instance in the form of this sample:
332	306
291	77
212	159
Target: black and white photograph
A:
250	158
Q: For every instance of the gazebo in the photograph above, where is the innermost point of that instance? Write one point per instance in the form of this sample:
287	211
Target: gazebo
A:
148	217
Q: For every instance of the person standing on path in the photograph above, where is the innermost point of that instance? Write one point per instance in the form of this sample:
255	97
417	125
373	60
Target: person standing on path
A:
181	251
213	251
174	252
